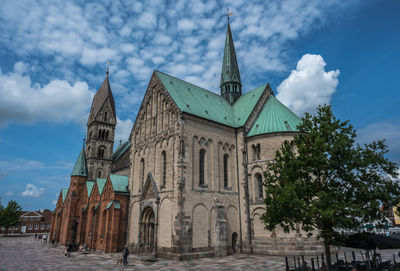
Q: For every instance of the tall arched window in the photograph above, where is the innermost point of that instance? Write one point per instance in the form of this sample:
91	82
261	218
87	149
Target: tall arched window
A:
100	133
164	167
259	185
107	135
201	166
141	172
226	159
105	116
100	152
99	174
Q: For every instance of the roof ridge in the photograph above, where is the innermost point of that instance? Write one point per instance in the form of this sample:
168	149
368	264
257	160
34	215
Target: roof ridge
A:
216	94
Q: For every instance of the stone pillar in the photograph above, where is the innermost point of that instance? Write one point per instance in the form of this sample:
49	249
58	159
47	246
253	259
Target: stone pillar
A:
220	229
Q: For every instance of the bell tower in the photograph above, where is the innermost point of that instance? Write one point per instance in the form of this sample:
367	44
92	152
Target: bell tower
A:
100	132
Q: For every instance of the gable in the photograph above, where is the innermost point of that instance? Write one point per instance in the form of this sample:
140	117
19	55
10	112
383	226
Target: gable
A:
156	104
150	190
101	182
31	214
89	187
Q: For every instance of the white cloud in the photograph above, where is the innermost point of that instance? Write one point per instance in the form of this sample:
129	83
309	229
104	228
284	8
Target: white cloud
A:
32	191
308	86
186	25
123	130
58	101
9	194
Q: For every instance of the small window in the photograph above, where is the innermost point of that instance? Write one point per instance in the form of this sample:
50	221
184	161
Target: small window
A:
105	116
100	152
99	174
29	226
164	168
260	185
42	226
48	226
202	155
36	226
142	171
100	131
107	135
226	159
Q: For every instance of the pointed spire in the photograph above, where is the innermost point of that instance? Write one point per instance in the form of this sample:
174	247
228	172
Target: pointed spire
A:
231	85
80	168
101	96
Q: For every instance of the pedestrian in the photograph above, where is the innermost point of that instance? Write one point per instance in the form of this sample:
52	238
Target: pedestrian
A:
66	251
35	236
126	253
45	238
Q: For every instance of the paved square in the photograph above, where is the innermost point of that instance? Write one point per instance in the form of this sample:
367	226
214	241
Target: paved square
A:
25	253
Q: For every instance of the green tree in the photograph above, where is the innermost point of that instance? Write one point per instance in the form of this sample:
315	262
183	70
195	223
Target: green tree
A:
325	181
9	216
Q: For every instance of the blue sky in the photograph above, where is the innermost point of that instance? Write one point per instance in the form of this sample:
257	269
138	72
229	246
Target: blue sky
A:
53	58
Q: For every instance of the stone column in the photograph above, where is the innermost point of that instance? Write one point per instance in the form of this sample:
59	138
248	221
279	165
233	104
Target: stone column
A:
220	229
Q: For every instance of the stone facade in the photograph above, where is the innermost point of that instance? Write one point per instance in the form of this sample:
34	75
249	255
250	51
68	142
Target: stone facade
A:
196	183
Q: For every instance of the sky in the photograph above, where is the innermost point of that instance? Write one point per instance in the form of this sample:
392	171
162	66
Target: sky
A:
54	54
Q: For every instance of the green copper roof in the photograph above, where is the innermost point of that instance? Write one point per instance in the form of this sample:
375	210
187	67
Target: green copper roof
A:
120	150
274	117
89	187
119	183
116	203
230	68
80	168
100	184
245	104
200	102
64	192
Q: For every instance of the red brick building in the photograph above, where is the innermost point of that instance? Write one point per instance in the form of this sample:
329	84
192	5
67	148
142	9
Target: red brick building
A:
32	222
93	209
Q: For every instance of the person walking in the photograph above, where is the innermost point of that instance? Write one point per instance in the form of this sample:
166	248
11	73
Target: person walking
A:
126	253
35	236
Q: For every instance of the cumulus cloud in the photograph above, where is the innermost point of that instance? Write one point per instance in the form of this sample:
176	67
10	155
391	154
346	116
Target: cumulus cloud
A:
308	86
9	194
91	33
32	191
123	130
26	102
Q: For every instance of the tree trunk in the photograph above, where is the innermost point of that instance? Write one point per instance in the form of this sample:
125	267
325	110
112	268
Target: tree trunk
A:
327	255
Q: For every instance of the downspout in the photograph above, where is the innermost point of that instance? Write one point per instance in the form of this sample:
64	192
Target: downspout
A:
238	189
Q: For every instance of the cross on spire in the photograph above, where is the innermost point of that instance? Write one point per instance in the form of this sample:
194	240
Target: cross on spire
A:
108	68
229	13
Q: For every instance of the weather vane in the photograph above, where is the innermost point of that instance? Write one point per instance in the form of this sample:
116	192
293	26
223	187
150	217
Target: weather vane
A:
229	13
108	68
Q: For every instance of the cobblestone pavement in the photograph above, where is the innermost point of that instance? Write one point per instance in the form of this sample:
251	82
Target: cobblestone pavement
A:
24	253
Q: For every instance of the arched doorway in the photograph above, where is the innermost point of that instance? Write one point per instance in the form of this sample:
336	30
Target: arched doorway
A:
234	242
148	230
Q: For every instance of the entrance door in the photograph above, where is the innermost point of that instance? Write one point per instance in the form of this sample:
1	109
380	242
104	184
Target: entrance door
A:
234	242
148	230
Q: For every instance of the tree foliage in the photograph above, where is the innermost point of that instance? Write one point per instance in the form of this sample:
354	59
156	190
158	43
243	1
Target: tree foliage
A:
9	216
325	181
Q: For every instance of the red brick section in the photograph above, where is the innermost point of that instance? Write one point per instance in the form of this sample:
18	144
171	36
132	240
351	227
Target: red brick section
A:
31	222
82	220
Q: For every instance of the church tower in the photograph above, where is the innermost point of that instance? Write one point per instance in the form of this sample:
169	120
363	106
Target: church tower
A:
231	86
100	132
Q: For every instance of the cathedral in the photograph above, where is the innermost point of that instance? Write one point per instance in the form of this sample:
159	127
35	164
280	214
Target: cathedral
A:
189	182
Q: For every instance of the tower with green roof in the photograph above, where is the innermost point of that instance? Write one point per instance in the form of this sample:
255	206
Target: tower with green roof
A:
231	86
